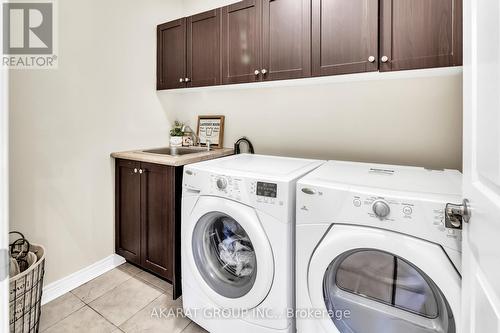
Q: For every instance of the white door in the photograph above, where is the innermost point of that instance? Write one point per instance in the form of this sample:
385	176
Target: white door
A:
4	281
481	249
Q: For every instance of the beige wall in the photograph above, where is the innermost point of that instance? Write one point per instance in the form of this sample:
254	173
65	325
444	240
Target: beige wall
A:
65	122
374	117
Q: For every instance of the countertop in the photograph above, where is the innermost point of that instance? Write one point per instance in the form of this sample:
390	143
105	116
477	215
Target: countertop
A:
178	160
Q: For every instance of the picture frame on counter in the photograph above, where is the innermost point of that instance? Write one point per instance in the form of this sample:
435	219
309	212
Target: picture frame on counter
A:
211	128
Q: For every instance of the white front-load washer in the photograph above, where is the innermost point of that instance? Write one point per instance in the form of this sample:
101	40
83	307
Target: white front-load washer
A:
238	219
374	252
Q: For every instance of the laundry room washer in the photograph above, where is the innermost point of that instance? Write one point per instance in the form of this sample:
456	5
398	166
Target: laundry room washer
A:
238	220
374	252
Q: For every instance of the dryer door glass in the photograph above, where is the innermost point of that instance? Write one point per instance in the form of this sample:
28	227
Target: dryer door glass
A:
224	255
383	293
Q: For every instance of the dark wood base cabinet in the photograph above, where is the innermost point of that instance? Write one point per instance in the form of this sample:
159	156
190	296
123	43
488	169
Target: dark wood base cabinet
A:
266	40
147	218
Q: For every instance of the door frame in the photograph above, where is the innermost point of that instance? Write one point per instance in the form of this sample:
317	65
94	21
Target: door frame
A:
4	186
481	287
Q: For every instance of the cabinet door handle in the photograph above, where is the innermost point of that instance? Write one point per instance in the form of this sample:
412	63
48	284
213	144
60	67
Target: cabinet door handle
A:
371	59
264	71
135	170
257	72
181	80
187	79
384	58
141	171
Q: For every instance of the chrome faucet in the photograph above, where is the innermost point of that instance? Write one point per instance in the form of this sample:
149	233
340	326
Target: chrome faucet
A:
208	144
196	138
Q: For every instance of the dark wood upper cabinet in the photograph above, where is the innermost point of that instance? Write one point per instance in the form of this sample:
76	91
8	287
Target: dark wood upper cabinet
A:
344	36
241	42
128	211
286	39
158	212
420	34
203	49
171	54
260	40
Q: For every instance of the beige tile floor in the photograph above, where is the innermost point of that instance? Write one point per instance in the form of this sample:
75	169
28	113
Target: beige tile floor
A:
125	299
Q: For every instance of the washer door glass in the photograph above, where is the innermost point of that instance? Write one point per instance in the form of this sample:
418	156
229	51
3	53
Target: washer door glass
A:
224	255
383	293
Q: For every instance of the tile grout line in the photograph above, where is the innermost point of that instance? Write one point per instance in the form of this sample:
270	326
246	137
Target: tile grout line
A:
151	284
83	305
88	303
145	306
106	319
162	292
190	323
131	275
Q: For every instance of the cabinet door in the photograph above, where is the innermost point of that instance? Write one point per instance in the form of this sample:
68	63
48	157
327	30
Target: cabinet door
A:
286	39
344	36
203	49
421	34
158	209
241	24
128	210
171	55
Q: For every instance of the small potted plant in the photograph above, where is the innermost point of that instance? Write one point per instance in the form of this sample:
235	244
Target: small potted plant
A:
176	134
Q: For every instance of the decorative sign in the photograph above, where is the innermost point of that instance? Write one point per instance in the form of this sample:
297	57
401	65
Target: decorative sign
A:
211	128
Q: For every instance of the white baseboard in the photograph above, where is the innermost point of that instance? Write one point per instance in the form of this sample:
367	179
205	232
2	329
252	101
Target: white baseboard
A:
70	282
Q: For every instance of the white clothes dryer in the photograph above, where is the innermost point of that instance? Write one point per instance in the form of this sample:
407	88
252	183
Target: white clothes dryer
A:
374	251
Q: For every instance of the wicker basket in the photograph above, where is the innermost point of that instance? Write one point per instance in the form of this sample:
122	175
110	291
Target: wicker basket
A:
26	295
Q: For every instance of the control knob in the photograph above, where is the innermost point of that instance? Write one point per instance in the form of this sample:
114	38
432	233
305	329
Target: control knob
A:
221	183
381	209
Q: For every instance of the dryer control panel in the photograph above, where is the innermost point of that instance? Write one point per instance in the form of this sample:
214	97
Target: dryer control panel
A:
387	209
411	214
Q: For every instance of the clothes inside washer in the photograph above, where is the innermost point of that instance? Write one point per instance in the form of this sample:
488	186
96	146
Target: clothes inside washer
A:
234	251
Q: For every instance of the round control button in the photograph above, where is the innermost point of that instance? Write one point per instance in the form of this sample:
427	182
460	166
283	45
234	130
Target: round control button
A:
221	183
381	209
356	203
407	210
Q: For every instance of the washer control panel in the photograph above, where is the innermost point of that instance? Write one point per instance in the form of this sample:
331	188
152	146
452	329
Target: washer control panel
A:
265	193
227	186
240	189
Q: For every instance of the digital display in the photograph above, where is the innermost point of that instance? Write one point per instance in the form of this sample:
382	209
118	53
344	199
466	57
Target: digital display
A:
267	189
